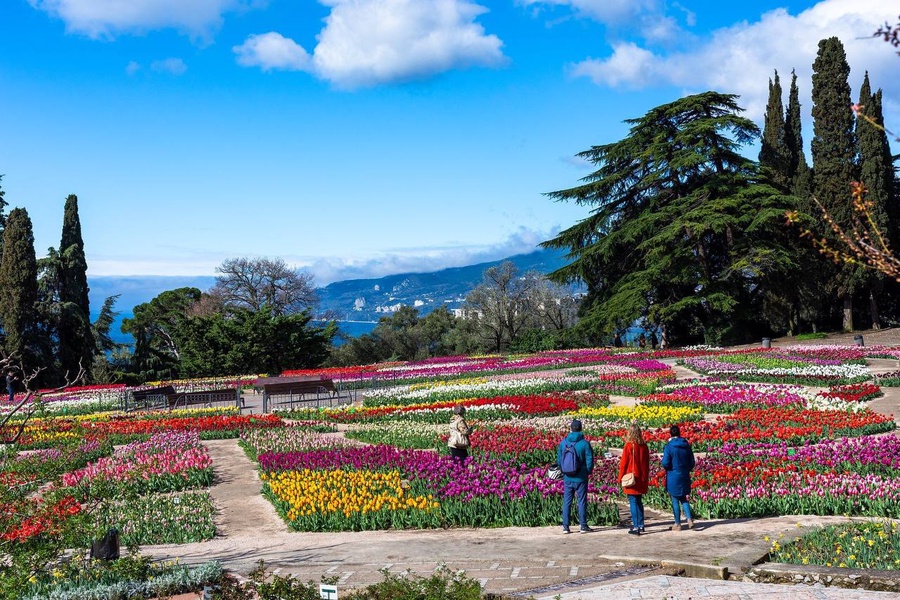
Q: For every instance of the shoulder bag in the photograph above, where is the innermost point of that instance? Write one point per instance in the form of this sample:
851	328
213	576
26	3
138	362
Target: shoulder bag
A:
628	479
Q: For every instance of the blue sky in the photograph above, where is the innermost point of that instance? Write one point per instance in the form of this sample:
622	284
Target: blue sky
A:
363	137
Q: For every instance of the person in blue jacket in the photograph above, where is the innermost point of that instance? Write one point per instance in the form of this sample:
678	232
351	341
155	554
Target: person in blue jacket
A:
678	461
576	484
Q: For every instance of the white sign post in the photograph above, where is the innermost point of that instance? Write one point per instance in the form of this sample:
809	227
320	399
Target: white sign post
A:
327	591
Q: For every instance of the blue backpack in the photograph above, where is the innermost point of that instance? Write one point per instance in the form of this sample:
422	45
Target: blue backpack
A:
569	464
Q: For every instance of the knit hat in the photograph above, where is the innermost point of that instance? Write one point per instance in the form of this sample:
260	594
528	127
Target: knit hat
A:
576	425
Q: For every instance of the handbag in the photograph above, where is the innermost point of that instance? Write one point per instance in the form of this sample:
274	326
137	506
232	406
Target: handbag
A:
628	479
554	473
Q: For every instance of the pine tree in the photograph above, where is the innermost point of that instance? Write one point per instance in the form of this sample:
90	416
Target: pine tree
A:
18	290
833	151
793	140
774	154
76	342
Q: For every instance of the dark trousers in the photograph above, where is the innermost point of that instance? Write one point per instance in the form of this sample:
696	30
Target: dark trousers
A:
636	505
460	453
575	490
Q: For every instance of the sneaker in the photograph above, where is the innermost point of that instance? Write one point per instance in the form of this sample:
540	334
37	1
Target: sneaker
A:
675	527
567	531
634	531
586	530
642	530
690	524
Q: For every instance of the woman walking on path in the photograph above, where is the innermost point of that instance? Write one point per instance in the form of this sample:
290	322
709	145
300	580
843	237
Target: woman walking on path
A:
635	461
459	434
678	461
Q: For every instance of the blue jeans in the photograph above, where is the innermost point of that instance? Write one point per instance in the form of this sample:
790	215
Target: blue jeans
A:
680	504
575	490
636	504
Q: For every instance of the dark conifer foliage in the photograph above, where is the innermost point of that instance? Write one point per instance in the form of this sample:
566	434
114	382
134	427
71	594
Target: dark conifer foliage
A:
793	140
833	152
774	153
76	343
681	227
18	291
876	170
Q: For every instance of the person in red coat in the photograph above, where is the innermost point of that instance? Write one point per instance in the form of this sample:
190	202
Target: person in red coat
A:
636	460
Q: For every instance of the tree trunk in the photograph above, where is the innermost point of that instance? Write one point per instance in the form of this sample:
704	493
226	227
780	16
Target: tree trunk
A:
873	308
848	313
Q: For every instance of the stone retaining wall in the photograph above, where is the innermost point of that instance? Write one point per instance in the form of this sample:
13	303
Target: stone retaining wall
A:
882	581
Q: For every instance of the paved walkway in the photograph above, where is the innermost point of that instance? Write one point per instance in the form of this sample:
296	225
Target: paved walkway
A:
537	562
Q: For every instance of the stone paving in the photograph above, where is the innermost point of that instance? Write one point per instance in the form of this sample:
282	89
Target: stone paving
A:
515	562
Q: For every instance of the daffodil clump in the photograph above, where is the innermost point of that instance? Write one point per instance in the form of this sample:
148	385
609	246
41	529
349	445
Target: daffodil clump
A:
855	545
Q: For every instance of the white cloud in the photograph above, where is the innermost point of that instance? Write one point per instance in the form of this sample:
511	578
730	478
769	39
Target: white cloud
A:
132	67
108	18
371	42
740	59
173	66
272	51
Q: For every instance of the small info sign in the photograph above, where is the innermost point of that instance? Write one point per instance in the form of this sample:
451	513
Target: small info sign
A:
327	592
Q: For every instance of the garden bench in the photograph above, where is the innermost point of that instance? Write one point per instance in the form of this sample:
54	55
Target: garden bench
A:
296	389
227	396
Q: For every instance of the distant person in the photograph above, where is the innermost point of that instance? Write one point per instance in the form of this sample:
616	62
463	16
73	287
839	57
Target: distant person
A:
459	434
617	341
11	385
576	460
654	341
678	461
642	341
636	461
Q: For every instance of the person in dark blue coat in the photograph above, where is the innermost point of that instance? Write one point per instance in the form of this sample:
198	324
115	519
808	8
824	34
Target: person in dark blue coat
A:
576	484
678	461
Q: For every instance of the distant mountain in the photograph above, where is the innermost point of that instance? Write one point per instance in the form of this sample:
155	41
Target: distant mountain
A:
350	300
369	299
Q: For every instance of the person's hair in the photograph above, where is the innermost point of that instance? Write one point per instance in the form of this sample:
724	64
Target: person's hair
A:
575	425
675	431
634	435
459	409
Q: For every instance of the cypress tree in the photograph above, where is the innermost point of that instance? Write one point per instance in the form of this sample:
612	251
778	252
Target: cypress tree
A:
793	140
18	290
876	169
76	342
774	154
833	152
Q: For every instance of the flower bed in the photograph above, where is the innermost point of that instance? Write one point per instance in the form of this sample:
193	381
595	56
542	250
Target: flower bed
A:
857	545
782	367
483	492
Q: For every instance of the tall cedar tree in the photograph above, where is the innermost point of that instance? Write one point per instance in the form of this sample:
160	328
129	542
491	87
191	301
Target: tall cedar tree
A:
18	291
793	139
680	230
774	153
833	152
76	340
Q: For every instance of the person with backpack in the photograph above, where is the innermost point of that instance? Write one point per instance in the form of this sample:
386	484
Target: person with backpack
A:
635	461
576	461
678	461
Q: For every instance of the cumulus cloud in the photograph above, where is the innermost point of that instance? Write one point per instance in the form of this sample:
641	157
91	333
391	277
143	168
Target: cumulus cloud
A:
371	42
272	51
605	11
173	66
108	18
740	59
